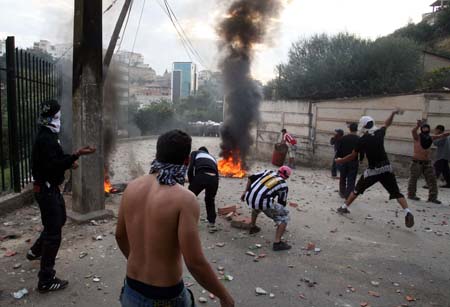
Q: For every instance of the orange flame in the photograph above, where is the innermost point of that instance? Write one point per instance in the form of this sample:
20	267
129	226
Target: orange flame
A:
107	184
231	168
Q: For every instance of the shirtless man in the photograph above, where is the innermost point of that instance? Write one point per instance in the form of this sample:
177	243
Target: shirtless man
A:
157	225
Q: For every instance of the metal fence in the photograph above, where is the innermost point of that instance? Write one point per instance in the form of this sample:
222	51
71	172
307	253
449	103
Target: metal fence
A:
26	80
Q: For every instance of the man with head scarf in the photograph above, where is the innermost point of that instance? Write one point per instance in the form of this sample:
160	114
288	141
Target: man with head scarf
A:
49	164
421	163
380	170
260	193
157	231
204	175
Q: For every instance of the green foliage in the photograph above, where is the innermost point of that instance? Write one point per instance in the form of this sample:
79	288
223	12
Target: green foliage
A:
154	118
437	79
344	65
201	107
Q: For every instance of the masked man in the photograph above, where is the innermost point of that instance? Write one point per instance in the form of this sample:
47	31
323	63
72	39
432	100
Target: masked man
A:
49	164
260	193
421	163
204	175
380	170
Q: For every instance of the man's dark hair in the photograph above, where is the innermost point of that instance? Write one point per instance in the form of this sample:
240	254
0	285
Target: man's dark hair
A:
173	147
440	128
425	126
283	131
203	148
49	108
353	127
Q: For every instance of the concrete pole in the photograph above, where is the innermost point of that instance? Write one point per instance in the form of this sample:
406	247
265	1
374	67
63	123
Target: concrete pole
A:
88	192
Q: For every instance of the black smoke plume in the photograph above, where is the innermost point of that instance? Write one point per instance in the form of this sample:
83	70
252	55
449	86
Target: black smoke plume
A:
245	25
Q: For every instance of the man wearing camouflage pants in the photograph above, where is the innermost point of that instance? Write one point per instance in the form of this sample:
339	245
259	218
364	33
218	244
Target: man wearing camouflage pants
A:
421	163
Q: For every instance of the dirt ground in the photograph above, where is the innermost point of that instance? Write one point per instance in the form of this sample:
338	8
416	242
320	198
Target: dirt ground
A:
369	257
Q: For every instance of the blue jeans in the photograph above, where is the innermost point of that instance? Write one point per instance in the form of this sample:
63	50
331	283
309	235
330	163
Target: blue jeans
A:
132	298
349	172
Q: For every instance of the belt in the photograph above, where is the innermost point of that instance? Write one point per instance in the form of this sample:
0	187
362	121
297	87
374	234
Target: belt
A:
422	161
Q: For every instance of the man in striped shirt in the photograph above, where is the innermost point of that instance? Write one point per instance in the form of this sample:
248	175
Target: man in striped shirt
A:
260	193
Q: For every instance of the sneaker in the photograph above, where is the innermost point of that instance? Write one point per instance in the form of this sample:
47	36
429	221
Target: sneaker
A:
341	210
447	186
425	187
212	228
414	198
435	201
409	220
53	285
254	229
281	246
32	257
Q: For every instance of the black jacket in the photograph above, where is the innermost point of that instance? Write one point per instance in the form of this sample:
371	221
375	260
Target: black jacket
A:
48	161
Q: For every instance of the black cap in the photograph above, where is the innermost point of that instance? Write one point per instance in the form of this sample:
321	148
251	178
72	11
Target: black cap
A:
49	108
339	131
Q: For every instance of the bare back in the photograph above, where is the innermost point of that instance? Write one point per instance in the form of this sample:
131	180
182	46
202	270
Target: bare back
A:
151	212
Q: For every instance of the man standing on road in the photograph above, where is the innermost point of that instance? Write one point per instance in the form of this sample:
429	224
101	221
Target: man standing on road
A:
421	163
336	141
442	156
49	164
204	175
157	228
260	193
291	142
380	170
349	170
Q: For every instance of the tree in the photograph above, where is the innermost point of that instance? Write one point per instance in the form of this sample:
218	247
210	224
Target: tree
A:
154	118
344	65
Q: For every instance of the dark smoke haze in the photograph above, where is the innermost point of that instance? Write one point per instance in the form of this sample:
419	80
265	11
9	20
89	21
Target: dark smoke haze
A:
246	24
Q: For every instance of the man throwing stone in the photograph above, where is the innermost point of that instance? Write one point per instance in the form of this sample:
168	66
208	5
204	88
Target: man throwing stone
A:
204	175
157	228
380	169
260	193
49	164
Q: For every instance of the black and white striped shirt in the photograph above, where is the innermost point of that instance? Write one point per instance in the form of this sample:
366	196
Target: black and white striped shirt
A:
265	187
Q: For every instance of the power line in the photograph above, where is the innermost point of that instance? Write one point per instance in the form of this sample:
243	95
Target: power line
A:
187	44
110	6
183	42
137	31
125	27
185	35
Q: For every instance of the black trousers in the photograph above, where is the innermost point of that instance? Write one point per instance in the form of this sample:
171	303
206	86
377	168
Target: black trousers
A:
348	171
441	167
53	215
210	184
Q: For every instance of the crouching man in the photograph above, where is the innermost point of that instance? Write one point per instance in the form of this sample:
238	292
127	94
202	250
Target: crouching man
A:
157	227
260	193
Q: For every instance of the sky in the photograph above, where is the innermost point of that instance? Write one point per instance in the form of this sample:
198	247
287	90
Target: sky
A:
32	20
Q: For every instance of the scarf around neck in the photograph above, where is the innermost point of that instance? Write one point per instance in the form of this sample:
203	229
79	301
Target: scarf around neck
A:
168	174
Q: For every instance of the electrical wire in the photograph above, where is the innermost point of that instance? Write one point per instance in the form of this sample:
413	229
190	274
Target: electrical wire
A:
137	32
125	27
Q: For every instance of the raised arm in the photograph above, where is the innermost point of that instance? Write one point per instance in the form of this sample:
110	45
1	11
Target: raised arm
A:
390	119
440	136
193	254
414	133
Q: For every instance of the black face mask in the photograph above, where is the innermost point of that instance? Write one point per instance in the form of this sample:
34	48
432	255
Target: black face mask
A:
425	140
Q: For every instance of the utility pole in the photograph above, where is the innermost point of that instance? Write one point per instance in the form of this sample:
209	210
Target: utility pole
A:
115	37
88	192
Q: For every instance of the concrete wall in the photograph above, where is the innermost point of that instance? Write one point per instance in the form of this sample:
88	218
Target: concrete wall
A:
313	123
